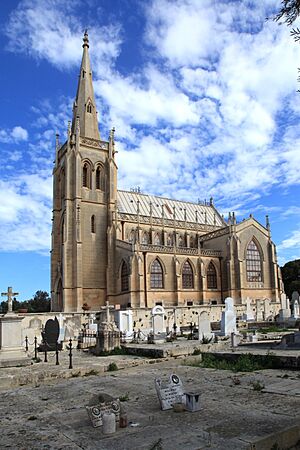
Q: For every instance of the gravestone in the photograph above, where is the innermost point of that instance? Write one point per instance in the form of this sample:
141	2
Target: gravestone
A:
50	336
158	320
204	328
249	315
169	391
228	320
108	335
285	311
295	296
296	313
100	405
124	321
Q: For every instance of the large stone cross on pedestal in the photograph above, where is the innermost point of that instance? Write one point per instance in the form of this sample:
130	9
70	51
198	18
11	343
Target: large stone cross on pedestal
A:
107	307
9	294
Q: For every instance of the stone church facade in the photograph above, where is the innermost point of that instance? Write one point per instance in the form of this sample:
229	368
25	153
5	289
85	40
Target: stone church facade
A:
139	250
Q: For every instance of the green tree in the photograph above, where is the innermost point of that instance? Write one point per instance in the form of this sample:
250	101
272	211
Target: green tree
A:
291	277
40	302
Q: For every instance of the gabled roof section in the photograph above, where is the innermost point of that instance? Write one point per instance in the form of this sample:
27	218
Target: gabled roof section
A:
85	106
202	213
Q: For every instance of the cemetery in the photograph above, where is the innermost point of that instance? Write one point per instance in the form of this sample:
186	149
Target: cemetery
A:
122	388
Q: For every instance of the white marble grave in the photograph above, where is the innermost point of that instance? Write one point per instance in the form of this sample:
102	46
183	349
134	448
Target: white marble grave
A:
158	320
204	328
296	313
169	391
228	320
124	320
12	352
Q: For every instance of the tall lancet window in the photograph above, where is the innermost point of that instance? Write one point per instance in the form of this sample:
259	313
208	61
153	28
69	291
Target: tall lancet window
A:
100	179
187	276
86	176
211	276
253	263
93	225
89	108
124	277
156	275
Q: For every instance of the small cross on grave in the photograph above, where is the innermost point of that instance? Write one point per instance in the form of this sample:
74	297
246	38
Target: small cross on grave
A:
9	294
107	307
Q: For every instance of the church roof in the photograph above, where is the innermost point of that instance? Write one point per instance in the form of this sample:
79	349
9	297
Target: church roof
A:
204	213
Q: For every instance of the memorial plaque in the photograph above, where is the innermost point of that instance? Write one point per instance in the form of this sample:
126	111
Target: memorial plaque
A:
96	412
169	392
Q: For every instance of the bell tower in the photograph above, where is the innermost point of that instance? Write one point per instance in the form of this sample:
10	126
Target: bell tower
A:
84	202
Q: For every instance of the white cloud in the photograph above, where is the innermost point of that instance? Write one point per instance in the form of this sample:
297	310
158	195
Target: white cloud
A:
15	135
50	29
292	242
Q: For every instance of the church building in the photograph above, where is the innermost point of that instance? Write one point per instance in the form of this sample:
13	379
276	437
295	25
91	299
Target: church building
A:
140	250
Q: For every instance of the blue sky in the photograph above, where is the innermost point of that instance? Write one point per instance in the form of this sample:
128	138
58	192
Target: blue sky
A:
202	94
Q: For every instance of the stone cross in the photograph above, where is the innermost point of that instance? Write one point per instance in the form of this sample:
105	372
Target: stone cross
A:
107	307
9	294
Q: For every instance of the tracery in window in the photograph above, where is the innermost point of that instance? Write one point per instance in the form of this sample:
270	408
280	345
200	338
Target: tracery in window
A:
156	275
187	276
253	263
211	276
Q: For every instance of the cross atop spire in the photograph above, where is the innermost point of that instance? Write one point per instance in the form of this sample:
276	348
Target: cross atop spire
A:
85	106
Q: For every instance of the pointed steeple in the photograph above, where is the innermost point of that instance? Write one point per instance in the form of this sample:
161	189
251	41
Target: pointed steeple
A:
85	106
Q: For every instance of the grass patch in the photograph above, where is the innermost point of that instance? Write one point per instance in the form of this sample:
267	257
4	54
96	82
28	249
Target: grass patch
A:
112	367
257	386
124	398
245	363
272	329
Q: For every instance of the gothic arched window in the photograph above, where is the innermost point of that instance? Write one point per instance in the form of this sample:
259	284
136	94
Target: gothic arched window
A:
86	176
145	238
124	277
89	108
169	240
180	241
131	237
187	276
157	239
100	179
211	276
156	275
93	226
253	263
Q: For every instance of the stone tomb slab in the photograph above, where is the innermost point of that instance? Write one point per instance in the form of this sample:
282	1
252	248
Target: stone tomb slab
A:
286	387
169	392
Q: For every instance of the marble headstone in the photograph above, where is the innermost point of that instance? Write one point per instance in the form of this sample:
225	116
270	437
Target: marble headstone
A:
158	320
204	328
228	320
296	313
169	391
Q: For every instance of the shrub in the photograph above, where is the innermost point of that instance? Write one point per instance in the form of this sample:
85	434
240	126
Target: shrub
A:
112	367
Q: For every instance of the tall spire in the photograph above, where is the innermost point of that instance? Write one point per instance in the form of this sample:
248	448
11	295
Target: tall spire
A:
85	106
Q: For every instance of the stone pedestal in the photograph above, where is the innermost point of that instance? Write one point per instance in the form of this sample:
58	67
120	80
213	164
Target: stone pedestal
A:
12	352
108	338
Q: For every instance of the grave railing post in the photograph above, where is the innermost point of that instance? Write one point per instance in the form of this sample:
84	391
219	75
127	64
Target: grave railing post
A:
56	354
35	347
70	354
26	343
